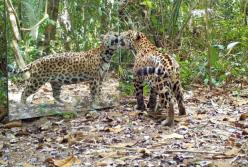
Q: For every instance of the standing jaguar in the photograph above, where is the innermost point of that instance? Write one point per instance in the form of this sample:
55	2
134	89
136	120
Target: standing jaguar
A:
160	70
70	68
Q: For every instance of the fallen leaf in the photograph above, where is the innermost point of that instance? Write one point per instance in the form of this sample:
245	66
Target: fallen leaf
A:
13	124
47	125
105	162
134	113
116	129
240	102
172	136
75	137
120	145
145	152
188	145
221	163
233	152
67	162
28	165
243	116
113	154
1	145
3	162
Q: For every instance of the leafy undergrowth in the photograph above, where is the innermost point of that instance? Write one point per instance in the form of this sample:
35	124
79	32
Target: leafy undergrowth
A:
213	133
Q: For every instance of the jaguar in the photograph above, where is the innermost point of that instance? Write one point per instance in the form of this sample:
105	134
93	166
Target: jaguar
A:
159	69
71	68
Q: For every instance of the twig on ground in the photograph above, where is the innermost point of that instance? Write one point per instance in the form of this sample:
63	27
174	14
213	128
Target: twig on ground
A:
195	151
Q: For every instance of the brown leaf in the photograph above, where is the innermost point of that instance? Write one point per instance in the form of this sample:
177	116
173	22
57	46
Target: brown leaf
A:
13	124
221	163
240	102
3	162
145	152
172	136
1	145
243	116
113	154
233	152
121	145
75	137
67	162
116	129
28	165
102	163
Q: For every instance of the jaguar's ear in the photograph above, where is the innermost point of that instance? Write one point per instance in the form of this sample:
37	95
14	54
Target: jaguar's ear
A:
137	35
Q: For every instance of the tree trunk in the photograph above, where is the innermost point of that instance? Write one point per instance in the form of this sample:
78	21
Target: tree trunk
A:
208	43
3	67
17	37
50	31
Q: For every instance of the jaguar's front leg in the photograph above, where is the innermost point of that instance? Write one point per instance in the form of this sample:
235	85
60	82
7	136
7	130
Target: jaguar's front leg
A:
56	88
138	84
95	90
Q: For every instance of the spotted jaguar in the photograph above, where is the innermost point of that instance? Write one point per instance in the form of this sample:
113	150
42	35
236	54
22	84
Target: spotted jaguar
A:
160	70
70	68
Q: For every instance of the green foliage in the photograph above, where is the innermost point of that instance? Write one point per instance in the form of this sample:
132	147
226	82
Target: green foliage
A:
3	91
65	114
168	24
126	87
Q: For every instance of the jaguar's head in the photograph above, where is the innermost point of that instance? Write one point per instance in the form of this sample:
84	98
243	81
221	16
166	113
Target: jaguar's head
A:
128	39
110	40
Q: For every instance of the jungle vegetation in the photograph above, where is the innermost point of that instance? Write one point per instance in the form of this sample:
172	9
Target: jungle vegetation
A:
209	38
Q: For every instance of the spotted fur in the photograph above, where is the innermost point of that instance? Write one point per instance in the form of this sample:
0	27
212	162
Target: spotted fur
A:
160	70
70	68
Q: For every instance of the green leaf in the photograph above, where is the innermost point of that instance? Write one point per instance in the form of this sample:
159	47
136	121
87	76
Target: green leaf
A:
148	3
215	56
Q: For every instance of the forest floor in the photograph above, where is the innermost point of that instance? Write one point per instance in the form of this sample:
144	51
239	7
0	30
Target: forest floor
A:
213	133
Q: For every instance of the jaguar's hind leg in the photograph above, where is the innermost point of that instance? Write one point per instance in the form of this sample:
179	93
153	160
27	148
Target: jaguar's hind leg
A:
165	100
177	90
152	103
31	87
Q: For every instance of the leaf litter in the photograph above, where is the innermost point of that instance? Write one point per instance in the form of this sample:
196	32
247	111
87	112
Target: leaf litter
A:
213	133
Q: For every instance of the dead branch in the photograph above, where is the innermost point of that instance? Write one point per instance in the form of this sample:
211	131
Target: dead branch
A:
193	151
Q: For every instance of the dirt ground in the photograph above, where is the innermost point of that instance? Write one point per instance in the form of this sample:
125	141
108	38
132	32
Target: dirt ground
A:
213	133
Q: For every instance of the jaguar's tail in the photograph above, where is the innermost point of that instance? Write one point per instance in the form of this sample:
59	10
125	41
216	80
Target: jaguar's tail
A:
17	71
152	70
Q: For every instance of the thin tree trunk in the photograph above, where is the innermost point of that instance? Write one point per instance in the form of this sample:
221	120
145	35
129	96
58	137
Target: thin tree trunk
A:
245	12
65	21
3	66
50	31
208	41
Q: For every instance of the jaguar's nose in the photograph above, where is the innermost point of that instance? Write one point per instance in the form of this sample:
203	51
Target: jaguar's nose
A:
122	42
